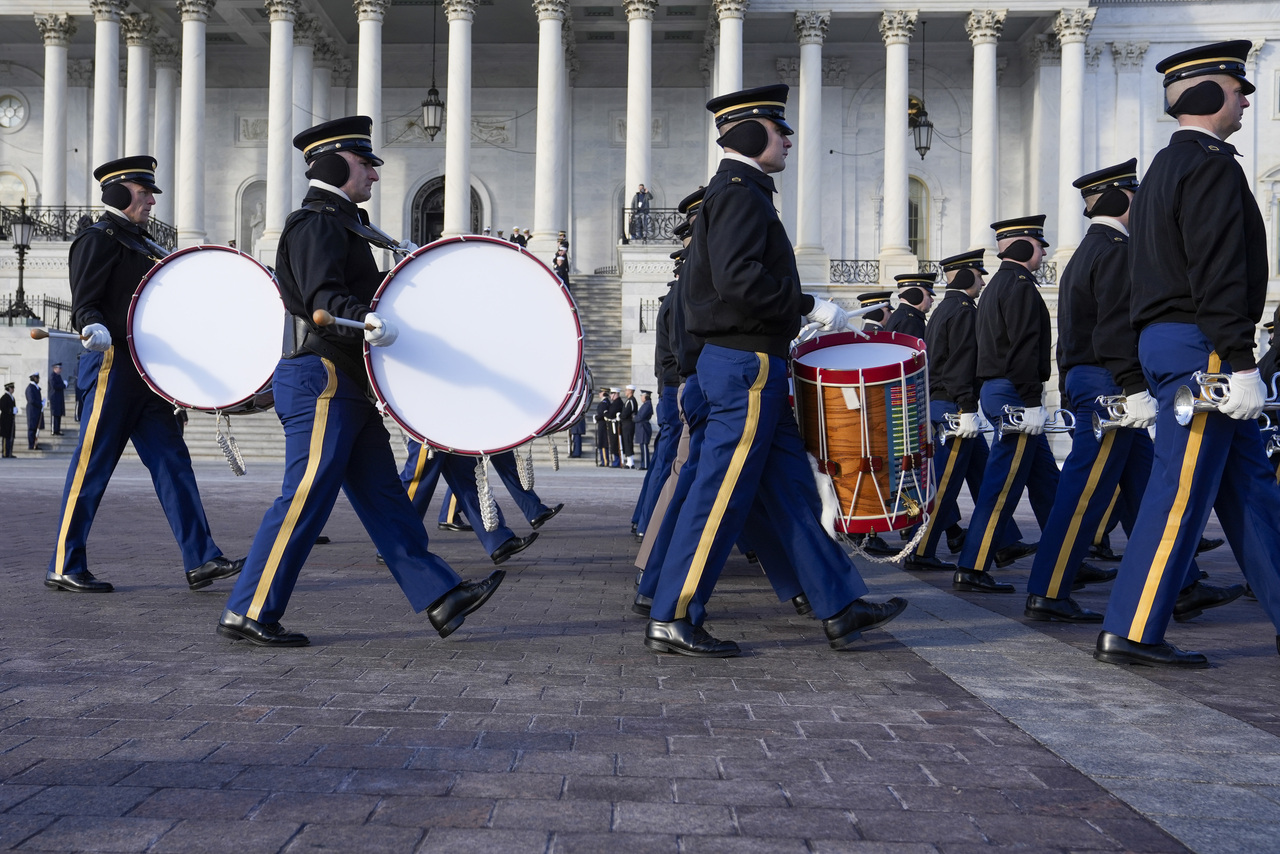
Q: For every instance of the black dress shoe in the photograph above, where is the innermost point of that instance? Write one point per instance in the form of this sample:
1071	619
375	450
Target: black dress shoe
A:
684	638
634	525
872	544
546	515
751	557
973	581
515	545
639	575
455	526
379	559
802	605
1104	553
1115	649
322	540
1089	574
211	570
449	611
236	627
1208	545
1193	601
860	616
928	563
1249	594
1017	551
1065	610
955	540
642	604
77	582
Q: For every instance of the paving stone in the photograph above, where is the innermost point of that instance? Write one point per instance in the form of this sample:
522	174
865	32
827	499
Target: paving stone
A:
83	800
208	804
673	818
204	836
95	833
412	811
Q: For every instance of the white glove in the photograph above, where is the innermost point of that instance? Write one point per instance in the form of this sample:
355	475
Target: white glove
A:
1139	410
1033	418
968	428
96	338
832	317
408	246
382	333
1246	392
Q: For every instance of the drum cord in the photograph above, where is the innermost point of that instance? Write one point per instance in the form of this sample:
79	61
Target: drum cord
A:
524	467
555	453
227	443
854	547
488	507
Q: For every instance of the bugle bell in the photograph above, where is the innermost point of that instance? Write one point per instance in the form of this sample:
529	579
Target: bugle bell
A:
1216	390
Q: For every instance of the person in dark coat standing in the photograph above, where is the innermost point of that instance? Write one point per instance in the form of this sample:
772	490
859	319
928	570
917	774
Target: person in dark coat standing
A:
915	298
627	426
8	404
57	398
644	428
35	411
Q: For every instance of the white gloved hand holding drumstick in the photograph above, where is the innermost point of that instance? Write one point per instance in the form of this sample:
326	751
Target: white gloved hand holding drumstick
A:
95	337
378	331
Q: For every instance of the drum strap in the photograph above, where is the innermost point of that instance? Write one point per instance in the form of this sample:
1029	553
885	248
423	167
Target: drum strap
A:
140	243
358	227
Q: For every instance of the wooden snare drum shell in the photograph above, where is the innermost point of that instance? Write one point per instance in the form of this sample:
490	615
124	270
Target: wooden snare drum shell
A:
867	477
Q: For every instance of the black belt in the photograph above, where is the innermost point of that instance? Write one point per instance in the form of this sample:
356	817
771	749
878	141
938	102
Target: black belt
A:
301	340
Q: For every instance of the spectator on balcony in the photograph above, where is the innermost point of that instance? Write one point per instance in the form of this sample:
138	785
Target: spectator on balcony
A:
518	238
640	203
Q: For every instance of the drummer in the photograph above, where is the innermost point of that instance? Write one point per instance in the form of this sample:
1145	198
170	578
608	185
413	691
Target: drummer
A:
334	436
108	260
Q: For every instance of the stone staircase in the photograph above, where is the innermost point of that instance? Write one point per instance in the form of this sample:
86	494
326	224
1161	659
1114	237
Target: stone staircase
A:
599	300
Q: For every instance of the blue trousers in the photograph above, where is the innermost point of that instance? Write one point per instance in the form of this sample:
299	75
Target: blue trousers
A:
421	475
1214	463
664	453
504	464
751	449
120	407
334	439
1019	461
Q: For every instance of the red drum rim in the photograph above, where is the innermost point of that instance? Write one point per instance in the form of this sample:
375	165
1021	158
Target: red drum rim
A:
550	425
878	374
133	305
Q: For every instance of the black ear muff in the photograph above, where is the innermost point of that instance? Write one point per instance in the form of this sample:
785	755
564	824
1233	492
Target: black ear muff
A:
332	168
1113	203
117	196
1202	99
749	138
912	296
1018	250
964	279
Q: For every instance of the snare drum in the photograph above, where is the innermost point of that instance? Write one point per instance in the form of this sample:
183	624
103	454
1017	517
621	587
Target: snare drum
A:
205	328
863	409
489	352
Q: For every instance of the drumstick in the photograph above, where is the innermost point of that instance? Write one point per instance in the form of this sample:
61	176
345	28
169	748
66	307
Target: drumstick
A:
41	334
324	318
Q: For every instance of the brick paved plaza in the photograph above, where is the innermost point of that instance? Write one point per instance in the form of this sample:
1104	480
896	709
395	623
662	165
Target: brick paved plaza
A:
127	724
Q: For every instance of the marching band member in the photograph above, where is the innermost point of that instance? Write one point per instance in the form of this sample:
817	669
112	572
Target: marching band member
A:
1198	264
108	260
334	436
874	321
915	298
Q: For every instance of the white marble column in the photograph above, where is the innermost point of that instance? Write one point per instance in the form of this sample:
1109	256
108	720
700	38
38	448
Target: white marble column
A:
1246	139
81	188
548	202
457	132
1127	58
639	92
139	30
1072	27
57	30
569	41
280	114
106	80
305	30
730	14
190	224
812	259
322	80
370	13
164	54
340	93
709	64
896	28
984	26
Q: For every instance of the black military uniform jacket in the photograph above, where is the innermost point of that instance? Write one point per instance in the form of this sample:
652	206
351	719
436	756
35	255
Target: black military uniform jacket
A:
1014	334
908	320
7	407
952	349
1269	364
664	358
629	407
1093	309
108	260
1198	247
320	263
743	287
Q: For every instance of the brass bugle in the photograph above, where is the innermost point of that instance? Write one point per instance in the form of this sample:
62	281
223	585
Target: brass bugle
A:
1062	421
1116	410
1216	389
948	431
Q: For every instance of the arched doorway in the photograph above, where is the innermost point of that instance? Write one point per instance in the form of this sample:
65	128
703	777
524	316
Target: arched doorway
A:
428	212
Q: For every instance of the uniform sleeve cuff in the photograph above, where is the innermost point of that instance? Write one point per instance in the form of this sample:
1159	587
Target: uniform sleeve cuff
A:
806	304
1242	361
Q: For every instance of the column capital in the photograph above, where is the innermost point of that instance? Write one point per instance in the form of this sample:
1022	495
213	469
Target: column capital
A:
1128	55
985	25
730	8
1073	25
164	53
897	26
640	9
1045	50
1252	57
282	10
835	72
196	10
371	10
57	29
547	10
79	72
106	10
306	30
326	52
139	29
1092	56
459	10
341	74
788	68
811	27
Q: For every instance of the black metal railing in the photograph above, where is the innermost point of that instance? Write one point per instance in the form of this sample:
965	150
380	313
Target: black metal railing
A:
606	271
934	267
649	314
1047	275
50	311
854	272
652	226
65	222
